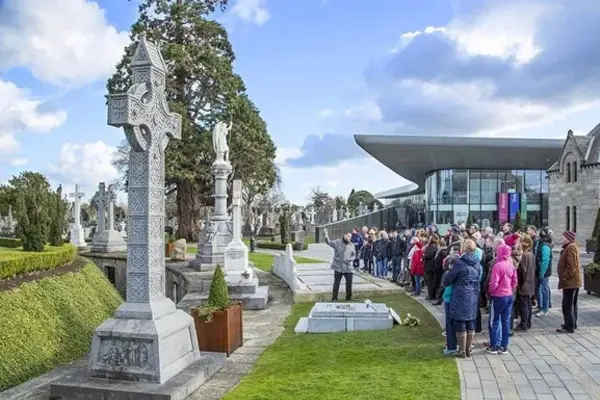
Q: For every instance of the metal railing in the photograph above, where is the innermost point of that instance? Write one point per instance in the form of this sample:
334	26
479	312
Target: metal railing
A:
386	218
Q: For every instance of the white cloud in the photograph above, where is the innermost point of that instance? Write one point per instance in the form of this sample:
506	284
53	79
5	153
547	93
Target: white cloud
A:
324	113
85	164
367	111
64	42
252	11
17	162
19	112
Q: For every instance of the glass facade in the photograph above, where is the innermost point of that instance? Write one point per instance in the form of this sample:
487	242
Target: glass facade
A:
453	195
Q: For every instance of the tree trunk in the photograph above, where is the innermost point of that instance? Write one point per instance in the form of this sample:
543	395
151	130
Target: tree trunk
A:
187	212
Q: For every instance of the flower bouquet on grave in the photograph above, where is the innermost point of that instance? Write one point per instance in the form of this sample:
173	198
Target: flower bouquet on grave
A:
411	320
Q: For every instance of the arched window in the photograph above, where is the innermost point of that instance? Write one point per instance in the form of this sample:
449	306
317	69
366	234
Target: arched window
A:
575	171
568	172
574	218
568	218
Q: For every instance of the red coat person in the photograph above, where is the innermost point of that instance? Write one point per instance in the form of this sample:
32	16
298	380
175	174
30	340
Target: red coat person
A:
417	266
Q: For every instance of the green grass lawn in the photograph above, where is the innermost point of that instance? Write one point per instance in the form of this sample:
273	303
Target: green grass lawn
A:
264	261
402	363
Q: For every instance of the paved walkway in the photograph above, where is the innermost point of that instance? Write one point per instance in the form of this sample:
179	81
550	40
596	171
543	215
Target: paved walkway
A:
542	363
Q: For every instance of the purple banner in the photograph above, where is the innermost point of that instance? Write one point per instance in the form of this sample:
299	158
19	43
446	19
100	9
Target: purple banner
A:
514	205
502	207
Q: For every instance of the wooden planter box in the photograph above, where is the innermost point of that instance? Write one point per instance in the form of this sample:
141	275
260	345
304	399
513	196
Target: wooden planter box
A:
223	333
591	283
169	249
590	246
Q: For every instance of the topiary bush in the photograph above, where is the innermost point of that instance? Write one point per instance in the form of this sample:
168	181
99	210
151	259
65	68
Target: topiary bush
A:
284	226
32	194
19	262
218	297
596	230
49	322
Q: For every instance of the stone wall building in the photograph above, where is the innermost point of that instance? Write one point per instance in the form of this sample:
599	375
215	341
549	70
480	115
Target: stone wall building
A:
574	186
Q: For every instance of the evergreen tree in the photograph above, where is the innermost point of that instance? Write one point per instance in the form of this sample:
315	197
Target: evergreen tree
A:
204	89
33	202
57	214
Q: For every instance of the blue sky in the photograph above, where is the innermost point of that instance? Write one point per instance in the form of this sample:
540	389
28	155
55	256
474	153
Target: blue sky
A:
320	71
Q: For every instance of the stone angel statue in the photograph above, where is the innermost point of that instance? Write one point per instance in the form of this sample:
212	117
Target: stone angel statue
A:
219	137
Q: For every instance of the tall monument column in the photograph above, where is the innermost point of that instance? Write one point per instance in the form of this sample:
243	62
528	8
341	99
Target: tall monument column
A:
217	233
148	340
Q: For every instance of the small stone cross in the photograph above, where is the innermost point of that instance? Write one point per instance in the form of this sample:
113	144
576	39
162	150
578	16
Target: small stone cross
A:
77	205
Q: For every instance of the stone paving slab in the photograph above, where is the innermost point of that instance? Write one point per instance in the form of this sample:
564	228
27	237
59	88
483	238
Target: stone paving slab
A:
541	364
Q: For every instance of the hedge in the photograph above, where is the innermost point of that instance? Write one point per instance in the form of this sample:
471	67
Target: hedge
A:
50	322
21	262
278	246
10	243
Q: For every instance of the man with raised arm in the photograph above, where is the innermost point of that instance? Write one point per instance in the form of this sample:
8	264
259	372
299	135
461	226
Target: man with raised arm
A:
344	254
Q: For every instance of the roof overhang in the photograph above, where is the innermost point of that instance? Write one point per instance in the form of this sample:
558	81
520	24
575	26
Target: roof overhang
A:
413	157
400	191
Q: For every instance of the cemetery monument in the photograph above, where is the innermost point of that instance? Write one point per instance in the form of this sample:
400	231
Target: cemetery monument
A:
217	232
347	317
77	236
149	348
241	281
107	239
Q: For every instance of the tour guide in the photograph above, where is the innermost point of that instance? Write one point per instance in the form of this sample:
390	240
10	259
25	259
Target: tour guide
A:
344	254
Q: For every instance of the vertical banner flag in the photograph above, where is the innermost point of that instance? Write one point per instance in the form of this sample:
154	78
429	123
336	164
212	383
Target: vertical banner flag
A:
524	208
514	205
502	207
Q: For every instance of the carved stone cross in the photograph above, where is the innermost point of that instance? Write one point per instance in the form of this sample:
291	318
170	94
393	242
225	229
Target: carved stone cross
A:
77	205
144	114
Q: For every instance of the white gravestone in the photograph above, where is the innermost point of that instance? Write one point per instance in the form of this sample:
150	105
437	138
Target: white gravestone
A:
148	323
77	234
237	269
345	317
334	216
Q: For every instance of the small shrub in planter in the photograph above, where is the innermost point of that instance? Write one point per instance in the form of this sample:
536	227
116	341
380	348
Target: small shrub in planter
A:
591	278
219	321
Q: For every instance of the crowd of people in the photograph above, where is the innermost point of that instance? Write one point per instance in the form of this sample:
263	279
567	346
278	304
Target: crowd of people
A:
469	271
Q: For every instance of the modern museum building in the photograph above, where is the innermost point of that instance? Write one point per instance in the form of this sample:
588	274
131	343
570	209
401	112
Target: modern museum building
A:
487	180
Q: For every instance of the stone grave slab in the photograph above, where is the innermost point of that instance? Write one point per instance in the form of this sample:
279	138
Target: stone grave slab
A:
345	317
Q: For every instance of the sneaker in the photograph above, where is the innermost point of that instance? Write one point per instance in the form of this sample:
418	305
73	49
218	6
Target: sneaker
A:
502	350
444	333
450	352
542	314
491	350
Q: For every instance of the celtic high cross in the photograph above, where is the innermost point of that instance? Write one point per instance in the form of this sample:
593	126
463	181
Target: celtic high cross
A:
144	114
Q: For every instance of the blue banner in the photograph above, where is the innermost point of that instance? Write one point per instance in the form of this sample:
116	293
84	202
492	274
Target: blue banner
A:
514	205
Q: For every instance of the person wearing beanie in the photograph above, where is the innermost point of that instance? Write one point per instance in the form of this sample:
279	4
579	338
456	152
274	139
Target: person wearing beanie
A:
569	280
543	263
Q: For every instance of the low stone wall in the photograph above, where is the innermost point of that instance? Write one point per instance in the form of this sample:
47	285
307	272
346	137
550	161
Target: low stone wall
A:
114	267
386	218
284	267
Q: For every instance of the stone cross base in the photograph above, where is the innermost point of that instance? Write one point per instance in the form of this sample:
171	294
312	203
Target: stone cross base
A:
144	342
108	241
77	237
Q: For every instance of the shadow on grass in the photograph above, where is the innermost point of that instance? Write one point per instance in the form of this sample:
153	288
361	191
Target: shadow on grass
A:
400	363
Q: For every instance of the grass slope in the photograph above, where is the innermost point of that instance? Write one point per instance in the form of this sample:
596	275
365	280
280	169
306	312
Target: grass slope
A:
49	322
401	363
264	261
